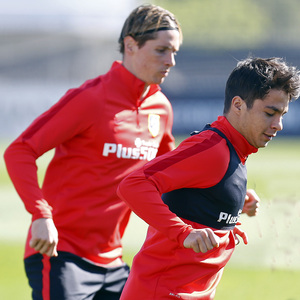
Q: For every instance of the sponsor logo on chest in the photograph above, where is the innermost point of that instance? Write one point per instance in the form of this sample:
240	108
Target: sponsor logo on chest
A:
143	150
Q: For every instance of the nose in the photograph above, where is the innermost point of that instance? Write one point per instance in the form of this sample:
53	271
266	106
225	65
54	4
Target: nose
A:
170	60
277	124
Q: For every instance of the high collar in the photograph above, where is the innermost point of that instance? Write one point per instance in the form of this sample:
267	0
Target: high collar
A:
239	142
127	85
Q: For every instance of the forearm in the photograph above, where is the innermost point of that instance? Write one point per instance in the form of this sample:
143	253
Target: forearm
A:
21	166
144	199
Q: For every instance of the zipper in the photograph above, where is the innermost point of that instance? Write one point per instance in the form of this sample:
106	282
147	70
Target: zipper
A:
138	117
138	108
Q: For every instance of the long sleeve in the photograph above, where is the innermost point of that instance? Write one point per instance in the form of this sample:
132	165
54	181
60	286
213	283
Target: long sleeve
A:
101	131
52	128
196	163
20	162
142	196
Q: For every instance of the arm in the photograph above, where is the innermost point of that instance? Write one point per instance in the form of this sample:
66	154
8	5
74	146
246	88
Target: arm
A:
21	166
46	132
143	197
142	189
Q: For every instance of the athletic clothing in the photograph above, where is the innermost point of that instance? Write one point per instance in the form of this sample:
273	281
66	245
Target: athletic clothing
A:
101	131
218	206
73	278
164	269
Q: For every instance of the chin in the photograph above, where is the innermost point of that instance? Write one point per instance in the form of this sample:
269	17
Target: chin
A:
156	82
161	80
264	145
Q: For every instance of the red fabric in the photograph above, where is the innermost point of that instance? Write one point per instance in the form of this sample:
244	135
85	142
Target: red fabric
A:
101	132
164	269
46	277
198	162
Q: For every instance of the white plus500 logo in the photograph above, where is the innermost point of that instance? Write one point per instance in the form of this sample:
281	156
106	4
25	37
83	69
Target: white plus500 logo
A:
142	152
228	218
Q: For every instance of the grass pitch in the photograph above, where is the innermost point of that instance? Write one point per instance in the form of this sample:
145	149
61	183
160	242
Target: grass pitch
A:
267	268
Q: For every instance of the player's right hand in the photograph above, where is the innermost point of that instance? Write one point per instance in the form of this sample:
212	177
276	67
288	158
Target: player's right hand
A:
201	240
44	236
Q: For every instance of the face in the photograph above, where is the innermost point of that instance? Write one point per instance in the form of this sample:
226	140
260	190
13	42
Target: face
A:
260	123
152	62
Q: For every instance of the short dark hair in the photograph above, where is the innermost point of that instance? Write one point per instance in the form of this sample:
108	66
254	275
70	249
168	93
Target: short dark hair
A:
253	78
145	21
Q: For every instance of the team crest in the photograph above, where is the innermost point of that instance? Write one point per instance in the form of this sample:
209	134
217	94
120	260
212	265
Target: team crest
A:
153	124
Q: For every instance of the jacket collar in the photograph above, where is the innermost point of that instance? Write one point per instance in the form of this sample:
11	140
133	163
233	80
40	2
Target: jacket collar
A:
127	84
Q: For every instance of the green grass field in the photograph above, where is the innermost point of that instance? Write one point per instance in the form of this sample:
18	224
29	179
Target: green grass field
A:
268	268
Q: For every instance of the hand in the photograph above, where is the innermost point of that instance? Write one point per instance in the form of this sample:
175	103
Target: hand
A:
238	231
201	240
251	205
44	237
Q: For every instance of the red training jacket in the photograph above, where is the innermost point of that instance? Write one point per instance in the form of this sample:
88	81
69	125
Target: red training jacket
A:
101	132
163	268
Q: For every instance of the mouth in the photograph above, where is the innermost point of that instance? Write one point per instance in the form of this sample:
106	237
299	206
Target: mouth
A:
269	136
165	73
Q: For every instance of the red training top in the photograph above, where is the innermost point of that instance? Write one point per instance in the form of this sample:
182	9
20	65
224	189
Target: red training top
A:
101	132
178	169
163	268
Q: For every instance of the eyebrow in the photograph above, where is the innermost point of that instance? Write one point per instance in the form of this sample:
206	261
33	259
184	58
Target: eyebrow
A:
168	48
276	109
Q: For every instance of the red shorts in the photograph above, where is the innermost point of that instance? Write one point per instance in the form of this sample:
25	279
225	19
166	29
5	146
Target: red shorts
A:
164	270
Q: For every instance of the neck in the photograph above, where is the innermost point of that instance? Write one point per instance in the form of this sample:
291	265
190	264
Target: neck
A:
232	120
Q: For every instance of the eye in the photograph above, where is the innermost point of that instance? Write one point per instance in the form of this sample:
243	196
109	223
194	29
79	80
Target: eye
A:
269	114
161	50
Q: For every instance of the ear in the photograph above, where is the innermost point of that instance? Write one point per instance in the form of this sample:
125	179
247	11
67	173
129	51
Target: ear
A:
129	45
237	104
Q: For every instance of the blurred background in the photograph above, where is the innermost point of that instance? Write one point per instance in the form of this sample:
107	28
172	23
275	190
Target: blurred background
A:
48	47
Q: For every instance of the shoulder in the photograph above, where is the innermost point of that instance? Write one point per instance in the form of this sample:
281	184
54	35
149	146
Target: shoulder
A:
159	100
201	150
205	140
209	148
199	161
89	91
158	95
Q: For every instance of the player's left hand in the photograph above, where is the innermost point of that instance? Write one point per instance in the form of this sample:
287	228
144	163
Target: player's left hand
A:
251	205
237	231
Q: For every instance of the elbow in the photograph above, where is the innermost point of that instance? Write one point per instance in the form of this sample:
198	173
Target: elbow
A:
128	188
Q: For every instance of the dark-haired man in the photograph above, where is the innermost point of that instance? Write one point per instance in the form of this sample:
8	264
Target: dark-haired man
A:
192	197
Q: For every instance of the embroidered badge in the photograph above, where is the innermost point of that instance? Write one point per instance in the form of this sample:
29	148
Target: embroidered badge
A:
153	124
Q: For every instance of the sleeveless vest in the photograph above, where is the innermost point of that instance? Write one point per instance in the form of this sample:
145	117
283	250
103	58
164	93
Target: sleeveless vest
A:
218	206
